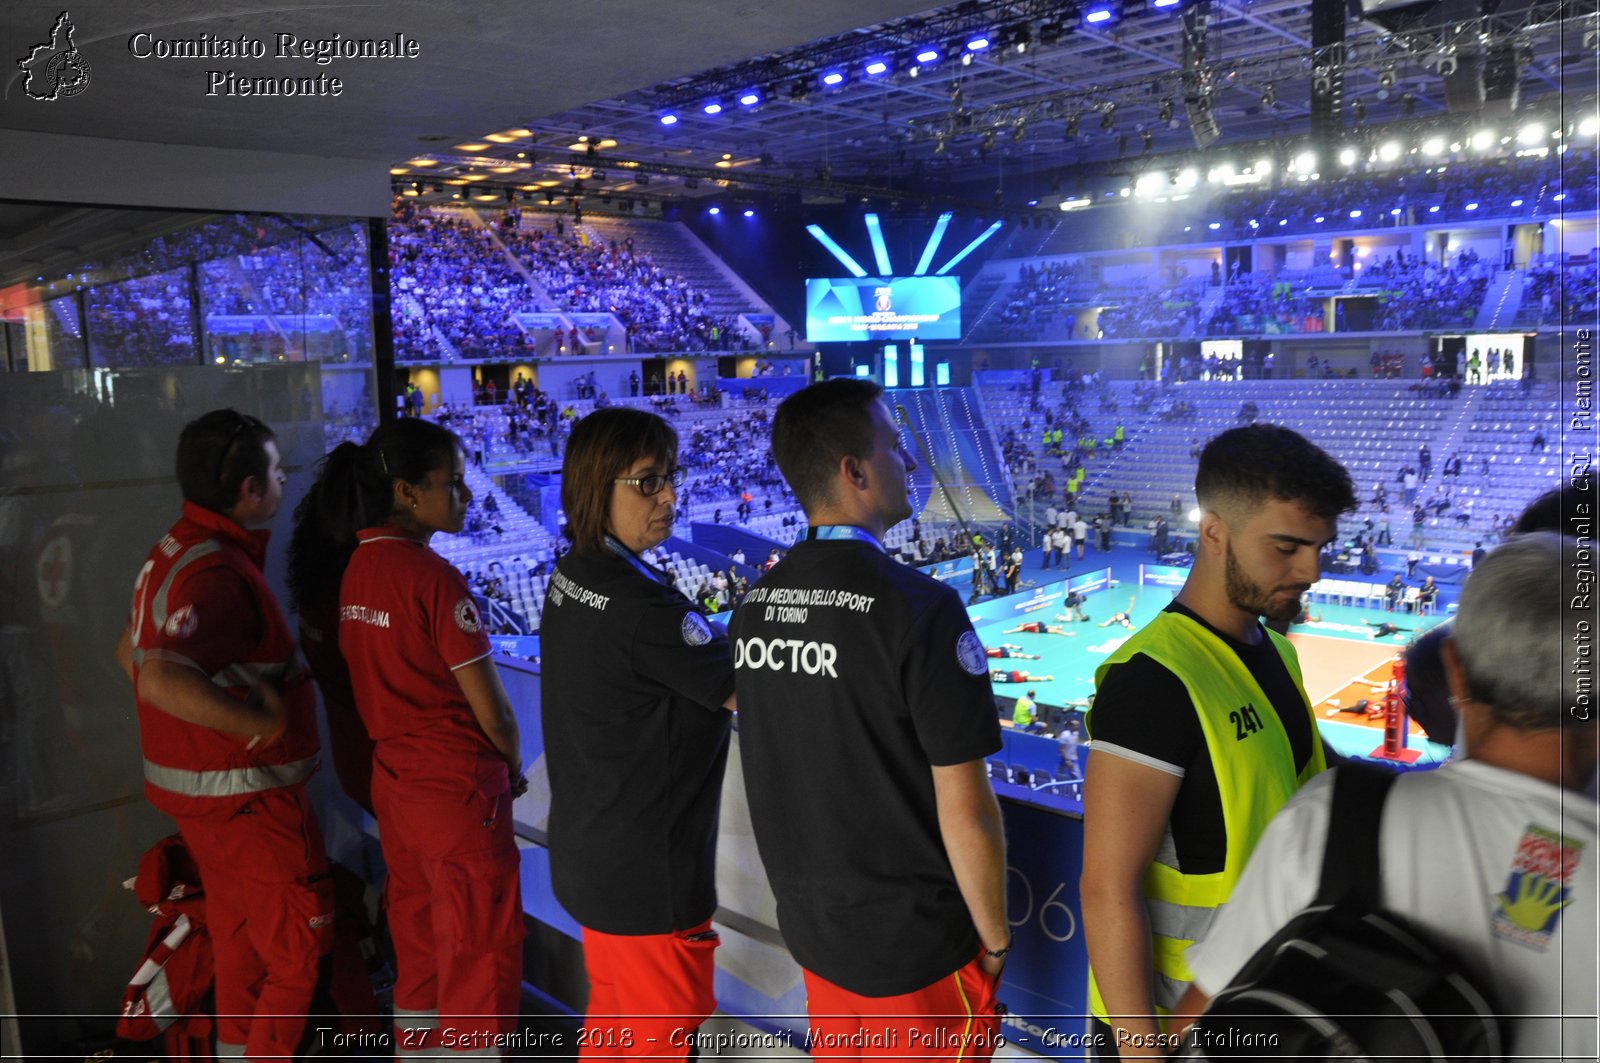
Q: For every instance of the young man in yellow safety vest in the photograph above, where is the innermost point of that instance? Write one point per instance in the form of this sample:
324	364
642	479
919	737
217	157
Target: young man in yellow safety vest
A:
1201	729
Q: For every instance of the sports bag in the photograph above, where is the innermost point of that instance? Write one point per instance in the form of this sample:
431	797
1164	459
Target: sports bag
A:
1346	979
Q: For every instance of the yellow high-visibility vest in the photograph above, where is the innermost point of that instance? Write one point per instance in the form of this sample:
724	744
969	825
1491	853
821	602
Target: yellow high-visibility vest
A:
1254	763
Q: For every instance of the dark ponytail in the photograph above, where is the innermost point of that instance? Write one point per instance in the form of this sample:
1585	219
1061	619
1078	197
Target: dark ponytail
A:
355	490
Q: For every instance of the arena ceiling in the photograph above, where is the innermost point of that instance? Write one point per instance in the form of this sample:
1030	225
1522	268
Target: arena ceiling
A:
531	99
1052	95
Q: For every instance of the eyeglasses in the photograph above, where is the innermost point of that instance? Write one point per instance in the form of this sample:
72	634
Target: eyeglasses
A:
654	483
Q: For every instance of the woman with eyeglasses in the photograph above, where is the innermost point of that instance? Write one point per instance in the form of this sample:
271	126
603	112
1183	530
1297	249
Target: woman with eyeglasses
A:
447	757
636	688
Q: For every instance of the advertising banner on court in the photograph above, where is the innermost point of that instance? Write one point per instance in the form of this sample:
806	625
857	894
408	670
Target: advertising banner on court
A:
1048	596
1162	576
1089	582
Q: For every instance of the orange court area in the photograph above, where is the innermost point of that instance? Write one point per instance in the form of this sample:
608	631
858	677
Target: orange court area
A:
1340	672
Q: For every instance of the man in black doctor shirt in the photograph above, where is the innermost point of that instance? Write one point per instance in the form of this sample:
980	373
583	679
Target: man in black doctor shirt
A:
865	721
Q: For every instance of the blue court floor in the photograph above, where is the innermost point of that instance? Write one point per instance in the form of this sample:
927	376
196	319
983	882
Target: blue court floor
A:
1336	646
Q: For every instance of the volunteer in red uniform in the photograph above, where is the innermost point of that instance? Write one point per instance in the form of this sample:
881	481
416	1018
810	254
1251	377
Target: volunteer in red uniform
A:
447	757
635	687
866	717
227	722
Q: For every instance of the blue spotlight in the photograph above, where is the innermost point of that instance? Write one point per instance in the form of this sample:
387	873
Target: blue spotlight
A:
713	107
928	55
833	78
1165	3
965	251
714	211
933	242
750	99
876	68
838	252
669	119
977	44
1355	214
749	213
1098	13
880	250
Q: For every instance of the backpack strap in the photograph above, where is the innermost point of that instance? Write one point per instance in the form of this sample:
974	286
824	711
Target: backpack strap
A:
1350	870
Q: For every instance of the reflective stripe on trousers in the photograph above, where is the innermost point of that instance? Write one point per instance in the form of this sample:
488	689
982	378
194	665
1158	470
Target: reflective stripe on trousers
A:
413	1029
426	1019
228	782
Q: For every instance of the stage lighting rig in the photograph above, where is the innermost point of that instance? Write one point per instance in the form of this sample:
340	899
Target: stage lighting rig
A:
1386	81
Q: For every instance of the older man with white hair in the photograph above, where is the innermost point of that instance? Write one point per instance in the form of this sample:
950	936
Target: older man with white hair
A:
1494	855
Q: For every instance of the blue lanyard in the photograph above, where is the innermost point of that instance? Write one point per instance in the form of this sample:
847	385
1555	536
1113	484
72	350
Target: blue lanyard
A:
843	531
655	575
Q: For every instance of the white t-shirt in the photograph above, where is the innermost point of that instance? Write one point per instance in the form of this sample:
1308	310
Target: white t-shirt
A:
1458	847
1059	539
1050	517
1080	529
1067	519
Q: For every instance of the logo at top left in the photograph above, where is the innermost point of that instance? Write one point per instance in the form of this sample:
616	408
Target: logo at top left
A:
55	69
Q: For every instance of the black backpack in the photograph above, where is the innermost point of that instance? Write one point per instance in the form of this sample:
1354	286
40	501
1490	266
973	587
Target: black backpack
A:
1346	979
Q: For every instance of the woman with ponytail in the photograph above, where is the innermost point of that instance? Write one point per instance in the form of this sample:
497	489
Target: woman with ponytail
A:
447	758
324	537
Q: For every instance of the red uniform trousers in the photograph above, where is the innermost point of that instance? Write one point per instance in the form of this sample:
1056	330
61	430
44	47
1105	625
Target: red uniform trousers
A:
648	993
454	904
269	907
954	1018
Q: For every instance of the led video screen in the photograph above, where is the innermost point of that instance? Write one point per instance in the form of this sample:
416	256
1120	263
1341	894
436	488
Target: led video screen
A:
852	309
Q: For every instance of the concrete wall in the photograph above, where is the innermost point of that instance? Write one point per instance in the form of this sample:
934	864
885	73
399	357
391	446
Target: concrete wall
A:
65	169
